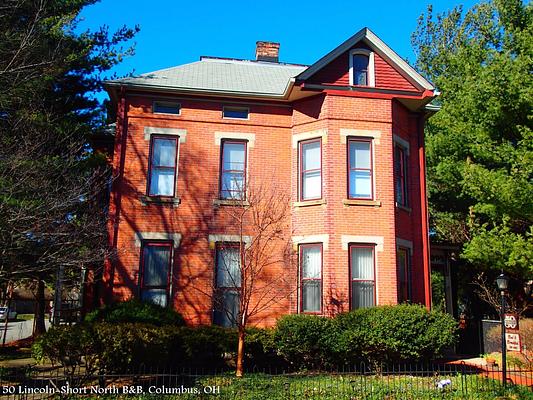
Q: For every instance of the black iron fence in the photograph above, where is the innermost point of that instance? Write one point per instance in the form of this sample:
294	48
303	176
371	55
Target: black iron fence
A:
445	381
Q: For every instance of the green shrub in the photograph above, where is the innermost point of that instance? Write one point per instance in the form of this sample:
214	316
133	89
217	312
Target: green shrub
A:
307	341
402	333
132	311
261	350
209	346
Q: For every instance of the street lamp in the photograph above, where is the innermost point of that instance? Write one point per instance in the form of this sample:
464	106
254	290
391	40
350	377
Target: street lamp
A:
502	281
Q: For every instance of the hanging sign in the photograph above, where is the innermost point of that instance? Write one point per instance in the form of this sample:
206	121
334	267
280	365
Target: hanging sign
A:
512	341
511	321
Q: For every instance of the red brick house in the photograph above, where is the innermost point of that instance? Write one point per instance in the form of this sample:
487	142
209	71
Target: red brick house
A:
344	135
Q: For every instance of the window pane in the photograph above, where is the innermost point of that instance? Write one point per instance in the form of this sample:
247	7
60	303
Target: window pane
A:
311	296
156	296
362	294
360	69
164	153
312	262
360	184
228	267
362	263
232	185
234	158
162	182
235	112
311	155
166	108
312	185
360	155
227	309
156	262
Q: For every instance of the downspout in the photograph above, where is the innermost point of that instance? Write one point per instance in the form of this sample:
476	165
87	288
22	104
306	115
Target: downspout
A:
424	212
120	156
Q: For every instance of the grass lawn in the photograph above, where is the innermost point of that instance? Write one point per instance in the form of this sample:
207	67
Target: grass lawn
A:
335	387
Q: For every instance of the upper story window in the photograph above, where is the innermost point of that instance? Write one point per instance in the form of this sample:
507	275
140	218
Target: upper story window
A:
362	68
311	278
360	173
156	260
166	107
362	276
163	165
233	170
311	169
228	283
400	176
235	112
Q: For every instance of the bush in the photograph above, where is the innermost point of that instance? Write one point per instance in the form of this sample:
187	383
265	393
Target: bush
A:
208	346
261	350
306	341
132	311
402	333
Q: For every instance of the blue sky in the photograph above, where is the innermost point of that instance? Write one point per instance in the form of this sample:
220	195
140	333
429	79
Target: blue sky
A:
179	32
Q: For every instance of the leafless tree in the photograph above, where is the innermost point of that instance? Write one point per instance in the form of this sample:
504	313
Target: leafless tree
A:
486	290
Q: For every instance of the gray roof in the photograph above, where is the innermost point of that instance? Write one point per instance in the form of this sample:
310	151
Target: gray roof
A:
221	75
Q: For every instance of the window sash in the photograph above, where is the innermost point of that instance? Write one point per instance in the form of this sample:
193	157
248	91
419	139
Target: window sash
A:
310	178
362	276
400	181
235	112
227	283
360	64
360	178
163	166
166	107
403	274
156	265
311	278
233	173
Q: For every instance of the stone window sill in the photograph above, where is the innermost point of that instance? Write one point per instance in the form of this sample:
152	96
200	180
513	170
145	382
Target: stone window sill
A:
309	203
165	201
228	202
361	202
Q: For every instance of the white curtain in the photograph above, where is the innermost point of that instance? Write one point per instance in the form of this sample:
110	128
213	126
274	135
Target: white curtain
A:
362	277
311	269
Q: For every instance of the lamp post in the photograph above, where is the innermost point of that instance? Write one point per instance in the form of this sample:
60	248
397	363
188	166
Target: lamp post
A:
503	283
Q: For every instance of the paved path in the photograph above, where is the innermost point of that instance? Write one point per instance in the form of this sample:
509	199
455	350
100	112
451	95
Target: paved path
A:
17	330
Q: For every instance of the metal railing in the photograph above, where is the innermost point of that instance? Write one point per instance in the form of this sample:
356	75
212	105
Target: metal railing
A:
434	381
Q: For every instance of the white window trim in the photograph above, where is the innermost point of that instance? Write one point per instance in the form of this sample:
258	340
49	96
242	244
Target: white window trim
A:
152	130
309	239
401	142
167	102
319	133
174	237
249	137
371	76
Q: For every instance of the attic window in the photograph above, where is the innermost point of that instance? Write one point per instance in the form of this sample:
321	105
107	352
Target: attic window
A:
362	68
235	112
166	107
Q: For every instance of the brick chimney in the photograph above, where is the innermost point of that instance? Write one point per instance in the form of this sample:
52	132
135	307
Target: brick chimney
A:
267	51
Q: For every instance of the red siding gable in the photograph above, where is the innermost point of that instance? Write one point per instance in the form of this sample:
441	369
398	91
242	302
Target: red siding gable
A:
337	73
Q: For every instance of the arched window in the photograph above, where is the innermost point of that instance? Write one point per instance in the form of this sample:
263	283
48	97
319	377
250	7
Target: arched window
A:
362	67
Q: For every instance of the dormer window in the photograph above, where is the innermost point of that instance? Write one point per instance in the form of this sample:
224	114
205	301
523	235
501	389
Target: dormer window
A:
362	68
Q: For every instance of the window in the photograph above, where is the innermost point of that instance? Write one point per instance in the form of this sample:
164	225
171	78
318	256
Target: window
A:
400	176
402	256
362	67
311	278
228	283
156	259
163	163
360	180
233	170
311	169
362	276
166	107
235	112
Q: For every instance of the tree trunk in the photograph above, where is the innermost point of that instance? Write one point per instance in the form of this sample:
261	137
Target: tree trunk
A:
240	353
40	328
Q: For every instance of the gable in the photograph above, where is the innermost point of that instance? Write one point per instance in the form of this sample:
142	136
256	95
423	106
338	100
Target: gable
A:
337	73
391	71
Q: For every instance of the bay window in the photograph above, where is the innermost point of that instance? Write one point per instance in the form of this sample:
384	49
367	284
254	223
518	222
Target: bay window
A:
400	176
360	174
310	169
362	276
311	278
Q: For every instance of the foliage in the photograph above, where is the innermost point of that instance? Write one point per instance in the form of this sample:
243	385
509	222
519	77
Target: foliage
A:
136	311
394	333
306	341
480	144
261	349
208	346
